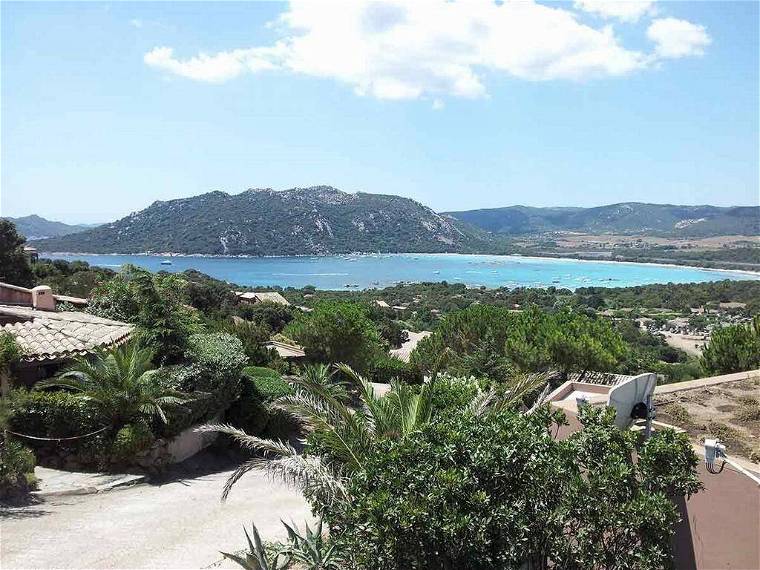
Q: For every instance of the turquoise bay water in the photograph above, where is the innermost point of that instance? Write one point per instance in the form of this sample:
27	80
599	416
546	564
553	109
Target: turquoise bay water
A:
382	270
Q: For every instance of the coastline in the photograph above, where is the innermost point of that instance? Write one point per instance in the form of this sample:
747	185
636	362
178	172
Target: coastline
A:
748	272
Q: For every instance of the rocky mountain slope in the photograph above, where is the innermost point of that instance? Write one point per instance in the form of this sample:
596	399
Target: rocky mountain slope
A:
317	220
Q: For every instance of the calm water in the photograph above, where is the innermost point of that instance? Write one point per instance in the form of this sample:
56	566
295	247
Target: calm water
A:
336	272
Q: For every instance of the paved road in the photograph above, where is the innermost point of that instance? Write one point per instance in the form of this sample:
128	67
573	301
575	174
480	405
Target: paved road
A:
178	524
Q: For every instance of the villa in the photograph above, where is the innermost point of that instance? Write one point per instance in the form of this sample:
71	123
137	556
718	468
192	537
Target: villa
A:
254	297
49	338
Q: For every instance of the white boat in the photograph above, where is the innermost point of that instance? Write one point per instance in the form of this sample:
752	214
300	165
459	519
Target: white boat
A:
166	262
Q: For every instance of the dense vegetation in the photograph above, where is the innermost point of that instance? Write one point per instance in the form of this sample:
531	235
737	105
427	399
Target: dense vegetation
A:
315	220
493	342
14	266
431	477
419	502
734	348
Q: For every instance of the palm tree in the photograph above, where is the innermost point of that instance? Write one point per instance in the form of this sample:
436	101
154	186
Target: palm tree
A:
119	383
343	433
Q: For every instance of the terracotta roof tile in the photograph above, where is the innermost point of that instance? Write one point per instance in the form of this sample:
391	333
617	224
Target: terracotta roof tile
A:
47	335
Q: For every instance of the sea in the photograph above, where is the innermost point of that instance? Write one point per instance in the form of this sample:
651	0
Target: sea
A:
363	271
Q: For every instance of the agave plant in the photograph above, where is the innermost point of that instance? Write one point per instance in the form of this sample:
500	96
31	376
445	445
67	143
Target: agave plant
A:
311	551
119	383
257	558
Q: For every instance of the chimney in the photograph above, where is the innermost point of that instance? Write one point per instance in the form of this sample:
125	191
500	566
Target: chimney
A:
42	298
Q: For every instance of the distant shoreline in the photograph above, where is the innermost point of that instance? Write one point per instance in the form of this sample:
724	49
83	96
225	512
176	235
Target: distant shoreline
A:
372	254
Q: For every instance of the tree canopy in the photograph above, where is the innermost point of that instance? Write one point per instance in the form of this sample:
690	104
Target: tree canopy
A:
14	265
490	341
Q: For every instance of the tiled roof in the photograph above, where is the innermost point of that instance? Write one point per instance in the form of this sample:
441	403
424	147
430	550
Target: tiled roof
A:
286	350
49	335
264	296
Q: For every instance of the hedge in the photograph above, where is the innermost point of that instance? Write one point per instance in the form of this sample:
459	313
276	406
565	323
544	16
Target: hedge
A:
261	386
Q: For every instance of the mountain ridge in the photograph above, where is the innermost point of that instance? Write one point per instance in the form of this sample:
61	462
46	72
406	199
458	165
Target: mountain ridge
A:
322	220
37	227
630	218
318	220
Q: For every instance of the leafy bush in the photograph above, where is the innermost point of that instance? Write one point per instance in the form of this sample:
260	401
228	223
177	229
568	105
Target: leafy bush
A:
274	316
337	332
220	353
59	415
733	349
260	387
252	335
490	341
211	381
386	368
16	468
52	414
497	491
130	440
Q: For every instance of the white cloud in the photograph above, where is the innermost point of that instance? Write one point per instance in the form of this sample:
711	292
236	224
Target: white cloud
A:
676	38
216	68
136	23
624	10
422	49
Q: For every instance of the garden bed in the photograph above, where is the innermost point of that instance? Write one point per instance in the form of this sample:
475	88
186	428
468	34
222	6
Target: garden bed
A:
729	412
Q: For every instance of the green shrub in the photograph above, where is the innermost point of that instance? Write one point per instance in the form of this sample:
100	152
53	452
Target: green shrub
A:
57	415
52	414
498	491
261	386
337	332
211	381
130	440
733	349
16	468
220	353
386	368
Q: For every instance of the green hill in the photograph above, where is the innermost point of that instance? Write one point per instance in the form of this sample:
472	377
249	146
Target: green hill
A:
317	220
35	227
627	218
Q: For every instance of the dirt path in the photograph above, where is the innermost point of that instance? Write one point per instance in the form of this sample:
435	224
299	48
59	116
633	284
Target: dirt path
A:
178	524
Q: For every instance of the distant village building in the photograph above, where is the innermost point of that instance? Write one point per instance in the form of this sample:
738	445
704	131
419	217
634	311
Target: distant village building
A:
49	338
286	351
31	253
732	305
382	304
254	297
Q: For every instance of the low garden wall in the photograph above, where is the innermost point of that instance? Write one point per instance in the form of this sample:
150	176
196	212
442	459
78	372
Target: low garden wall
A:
176	449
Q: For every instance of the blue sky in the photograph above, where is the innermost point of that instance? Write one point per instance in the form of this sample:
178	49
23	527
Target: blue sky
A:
108	107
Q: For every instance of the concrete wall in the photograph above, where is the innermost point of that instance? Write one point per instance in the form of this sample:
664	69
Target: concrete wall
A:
176	449
13	295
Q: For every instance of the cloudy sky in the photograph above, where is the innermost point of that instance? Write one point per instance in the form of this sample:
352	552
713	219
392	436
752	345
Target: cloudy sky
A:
108	107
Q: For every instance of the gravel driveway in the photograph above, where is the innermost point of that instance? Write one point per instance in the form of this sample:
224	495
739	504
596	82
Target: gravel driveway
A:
179	523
